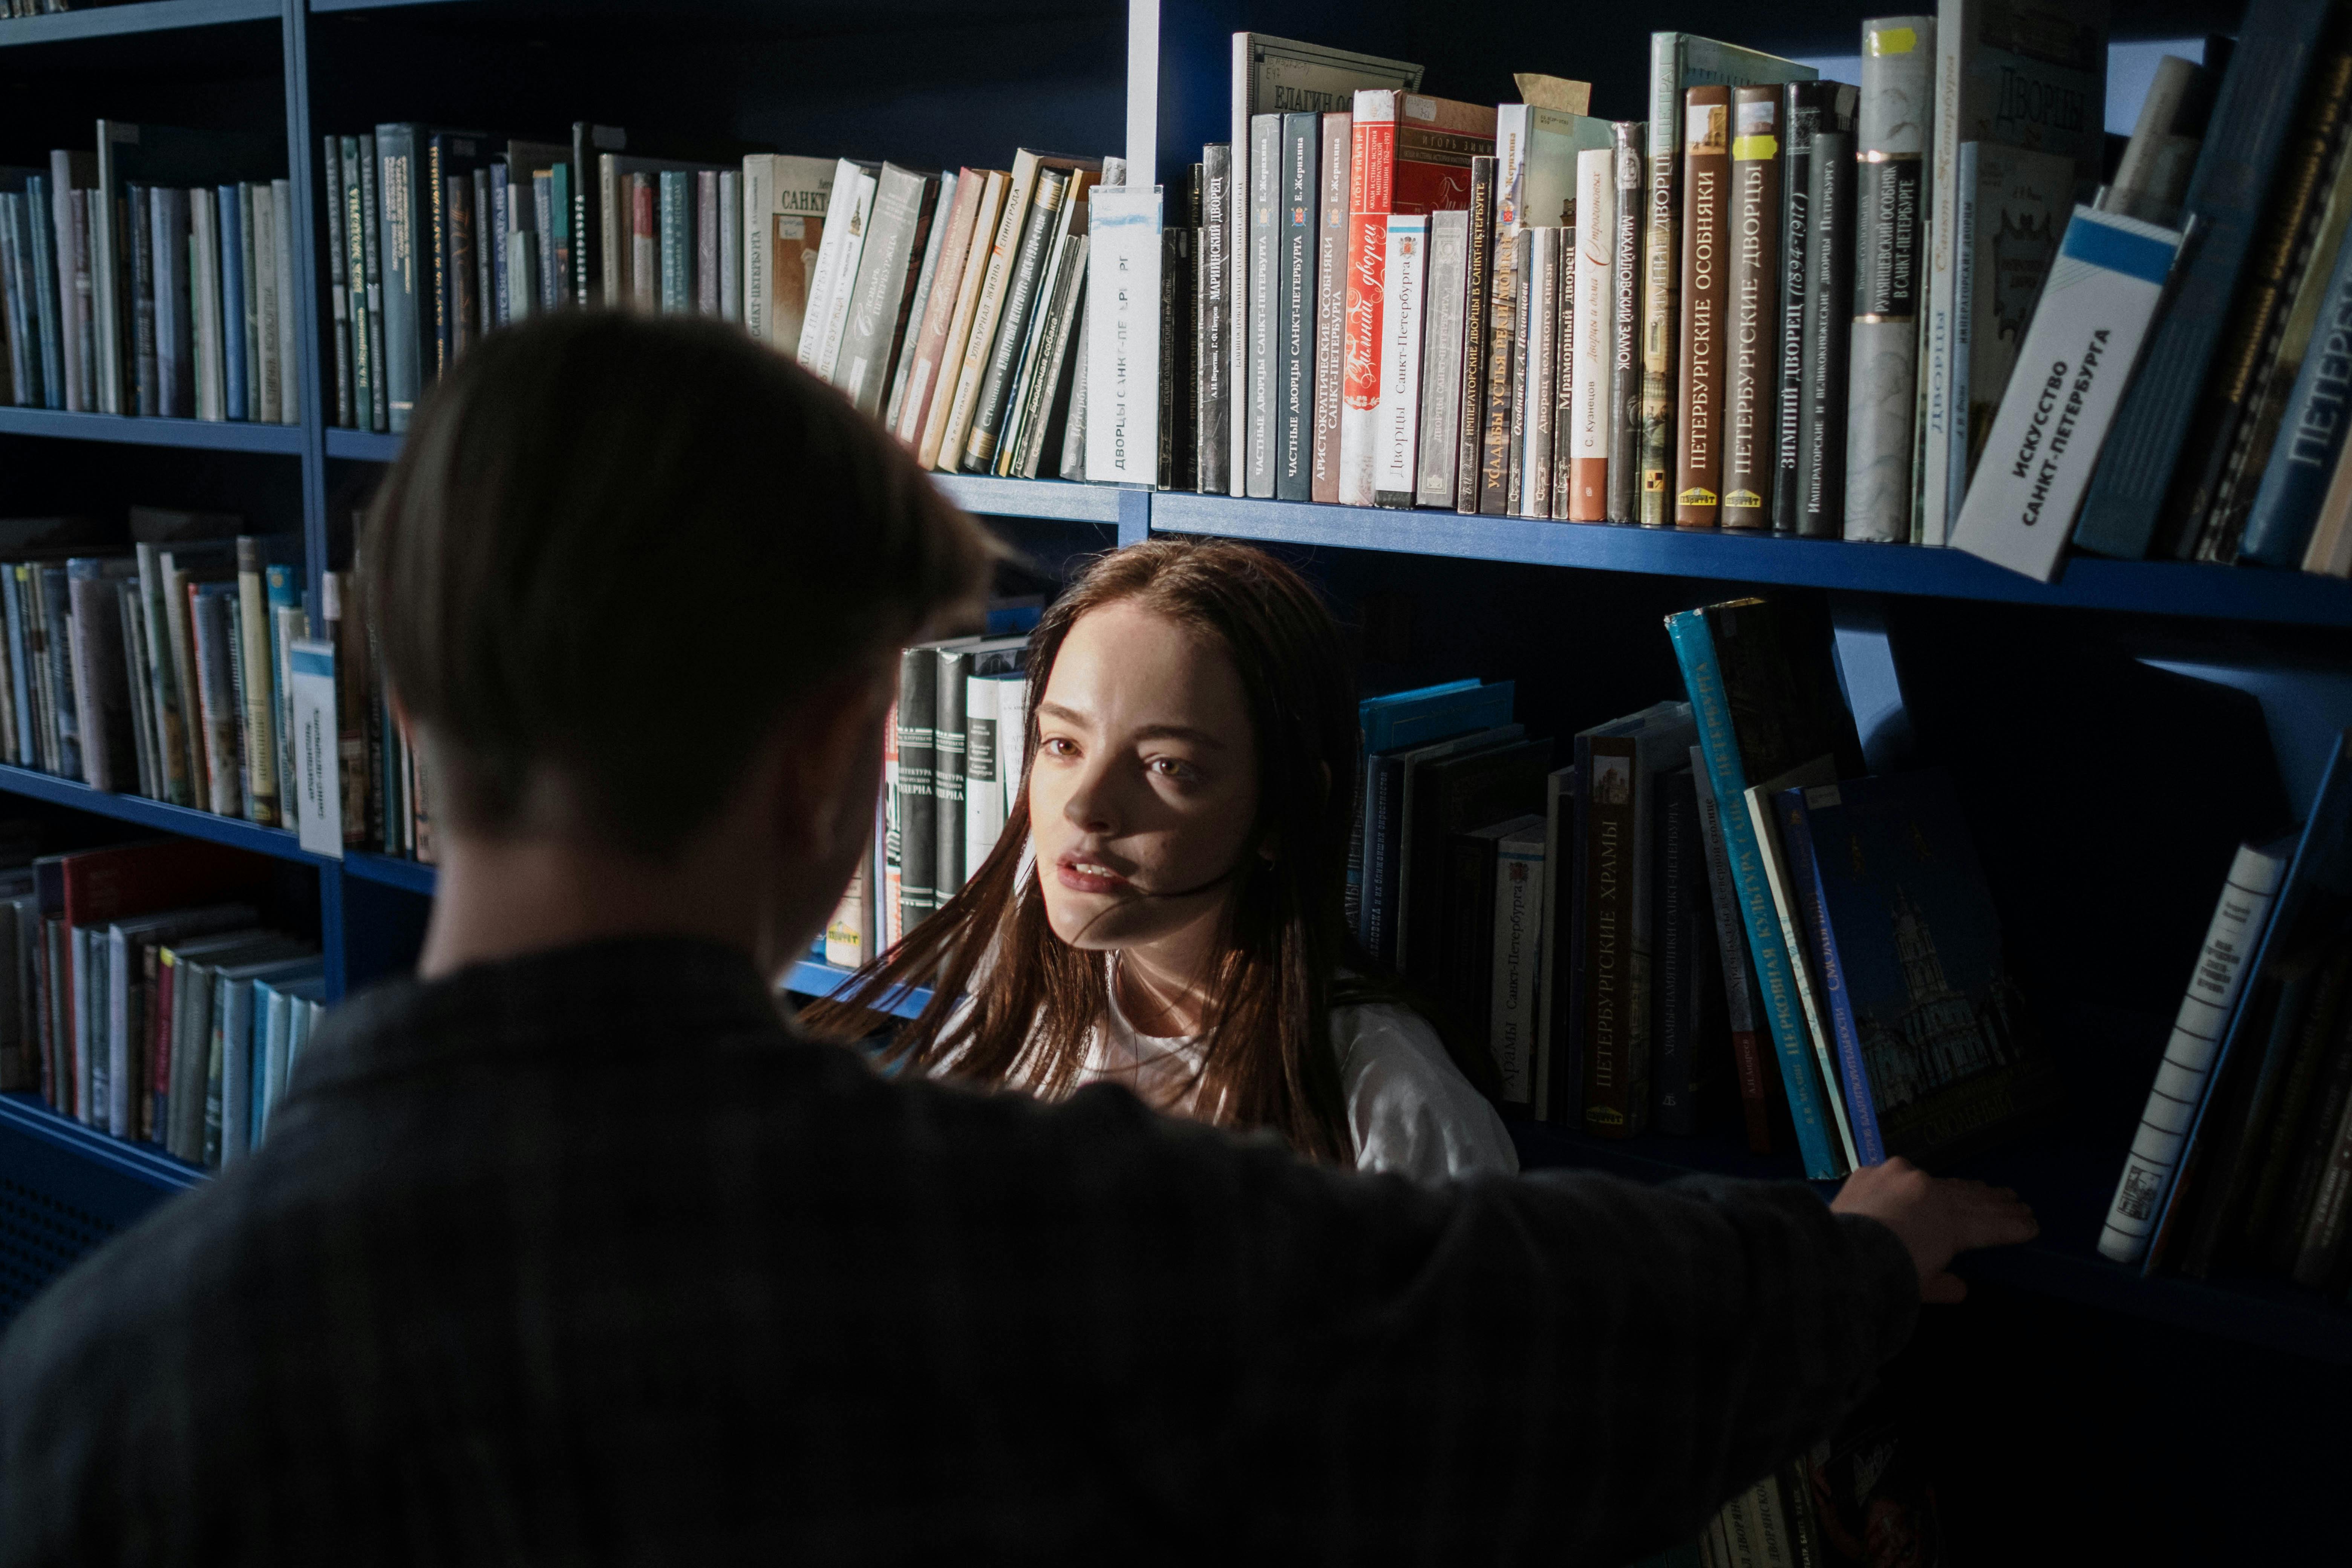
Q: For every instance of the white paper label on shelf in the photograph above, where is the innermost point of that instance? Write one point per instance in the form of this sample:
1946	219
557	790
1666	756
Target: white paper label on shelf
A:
316	751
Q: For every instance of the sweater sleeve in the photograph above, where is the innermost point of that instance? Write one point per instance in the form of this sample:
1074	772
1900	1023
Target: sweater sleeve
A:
1567	1367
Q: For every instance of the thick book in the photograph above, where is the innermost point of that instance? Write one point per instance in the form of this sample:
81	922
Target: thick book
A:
1296	234
402	188
1411	156
1891	190
371	262
1807	109
1751	311
1442	345
1678	62
1701	307
882	293
1214	312
2310	895
1116	404
1612	918
1330	298
1936	1049
1045	417
2308	446
1521	852
1536	414
784	202
918	711
2011	207
1591	274
1566	382
241	370
2085	337
1764	690
1828	337
1396	473
1271	75
100	685
2030	75
2281	45
1686	984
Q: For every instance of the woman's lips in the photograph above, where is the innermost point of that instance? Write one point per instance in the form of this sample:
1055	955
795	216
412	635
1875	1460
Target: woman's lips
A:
1081	875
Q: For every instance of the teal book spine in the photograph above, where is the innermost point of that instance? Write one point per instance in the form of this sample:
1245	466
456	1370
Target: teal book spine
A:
677	242
1719	748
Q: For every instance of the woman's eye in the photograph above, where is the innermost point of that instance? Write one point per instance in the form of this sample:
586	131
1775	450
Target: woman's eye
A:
1175	768
1057	746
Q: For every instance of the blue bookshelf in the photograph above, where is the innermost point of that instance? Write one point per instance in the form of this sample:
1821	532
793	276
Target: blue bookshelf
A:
974	82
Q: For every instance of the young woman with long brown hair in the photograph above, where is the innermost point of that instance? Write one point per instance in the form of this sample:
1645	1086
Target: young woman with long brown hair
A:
1164	908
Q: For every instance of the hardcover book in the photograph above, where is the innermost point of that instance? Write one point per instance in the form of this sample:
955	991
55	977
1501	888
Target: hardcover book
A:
1297	233
1442	343
2012	208
1589	273
1397	472
1264	235
1698	438
784	201
1935	1048
1212	391
1807	110
1890	194
1331	299
1751	371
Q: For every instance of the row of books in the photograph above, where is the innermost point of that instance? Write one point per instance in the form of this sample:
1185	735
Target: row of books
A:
2242	1160
952	763
1864	1494
147	997
1645	939
153	274
2227	444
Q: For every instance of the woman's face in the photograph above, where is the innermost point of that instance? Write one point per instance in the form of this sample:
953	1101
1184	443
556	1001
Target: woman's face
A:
1144	781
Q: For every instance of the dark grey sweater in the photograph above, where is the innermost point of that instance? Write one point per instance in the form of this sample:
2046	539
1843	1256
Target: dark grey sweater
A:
583	1257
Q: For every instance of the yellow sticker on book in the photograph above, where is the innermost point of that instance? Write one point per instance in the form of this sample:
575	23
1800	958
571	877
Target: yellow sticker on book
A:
1653	481
1696	497
1742	497
1751	148
1884	41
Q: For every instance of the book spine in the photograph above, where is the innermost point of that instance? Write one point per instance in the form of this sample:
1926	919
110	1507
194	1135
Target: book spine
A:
138	234
1820	943
40	241
259	706
1213	412
2240	918
261	282
1524	257
68	214
2281	1137
175	347
1752	306
1700	304
1047	400
1800	120
1372	174
1516	950
106	282
1504	365
1441	360
1478	269
1661	275
1820	512
1629	143
372	272
1694	644
290	352
706	242
917	802
677	220
1536	395
644	257
65	708
1020	295
949	743
930	343
1297	304
918	309
2310	441
250	250
210	623
979	264
1397	473
1331	299
1566	385
1593	278
1604	918
1679	900
490	248
236	376
399	178
339	290
2317	1260
1264	242
1890	197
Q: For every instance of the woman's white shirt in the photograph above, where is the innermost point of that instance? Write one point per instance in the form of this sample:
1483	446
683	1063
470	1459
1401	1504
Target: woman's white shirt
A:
1409	1109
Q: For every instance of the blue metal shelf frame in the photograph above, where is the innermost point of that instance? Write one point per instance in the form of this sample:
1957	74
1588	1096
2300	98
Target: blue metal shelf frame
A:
122	21
199	434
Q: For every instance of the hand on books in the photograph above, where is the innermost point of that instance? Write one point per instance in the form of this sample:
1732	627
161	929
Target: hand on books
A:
1937	1218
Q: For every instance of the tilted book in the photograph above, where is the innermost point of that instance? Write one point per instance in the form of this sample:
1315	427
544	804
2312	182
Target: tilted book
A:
2011	207
2079	355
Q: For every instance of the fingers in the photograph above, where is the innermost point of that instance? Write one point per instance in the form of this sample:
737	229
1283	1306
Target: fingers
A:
1941	1289
1989	1216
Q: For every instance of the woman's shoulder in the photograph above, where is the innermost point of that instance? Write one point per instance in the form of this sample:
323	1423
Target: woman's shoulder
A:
1409	1107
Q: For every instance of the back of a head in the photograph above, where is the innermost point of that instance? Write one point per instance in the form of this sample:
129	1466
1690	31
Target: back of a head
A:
617	550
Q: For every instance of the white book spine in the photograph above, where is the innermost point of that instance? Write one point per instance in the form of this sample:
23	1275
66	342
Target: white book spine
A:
1587	432
263	281
1122	345
857	218
1442	324
317	782
833	261
1518	942
1011	739
1539	303
1264	229
2239	918
983	758
2076	361
1404	260
1360	442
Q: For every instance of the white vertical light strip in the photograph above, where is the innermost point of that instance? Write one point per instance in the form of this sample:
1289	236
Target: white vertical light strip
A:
1142	92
